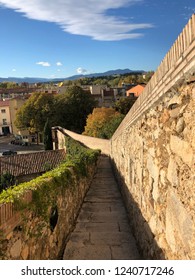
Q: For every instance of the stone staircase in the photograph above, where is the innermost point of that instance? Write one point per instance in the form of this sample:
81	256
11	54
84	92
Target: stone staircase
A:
102	230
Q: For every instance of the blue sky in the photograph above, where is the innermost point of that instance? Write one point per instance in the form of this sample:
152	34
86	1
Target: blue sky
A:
51	39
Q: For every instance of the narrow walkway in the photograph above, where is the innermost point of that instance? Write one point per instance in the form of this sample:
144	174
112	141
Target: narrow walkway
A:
102	229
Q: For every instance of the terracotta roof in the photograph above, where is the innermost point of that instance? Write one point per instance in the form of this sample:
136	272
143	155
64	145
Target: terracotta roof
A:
25	164
137	90
4	103
17	90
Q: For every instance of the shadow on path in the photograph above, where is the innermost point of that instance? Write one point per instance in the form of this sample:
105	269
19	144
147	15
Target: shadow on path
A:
102	230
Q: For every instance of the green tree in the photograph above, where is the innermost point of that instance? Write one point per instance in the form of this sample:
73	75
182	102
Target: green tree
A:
124	104
6	180
35	112
47	134
73	107
110	127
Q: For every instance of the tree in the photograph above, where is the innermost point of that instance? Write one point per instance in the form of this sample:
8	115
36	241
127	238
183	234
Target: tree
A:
73	107
47	134
124	104
99	121
6	180
110	127
35	112
69	110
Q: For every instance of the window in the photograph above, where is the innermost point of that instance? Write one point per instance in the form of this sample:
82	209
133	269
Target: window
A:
4	121
3	111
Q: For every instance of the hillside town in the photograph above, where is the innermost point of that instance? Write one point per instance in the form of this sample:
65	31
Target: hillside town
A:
13	98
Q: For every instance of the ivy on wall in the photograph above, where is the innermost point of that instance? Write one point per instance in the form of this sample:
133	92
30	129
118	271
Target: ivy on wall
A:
46	188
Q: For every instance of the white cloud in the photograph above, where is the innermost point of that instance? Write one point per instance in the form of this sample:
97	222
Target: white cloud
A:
44	63
83	17
58	63
13	70
80	70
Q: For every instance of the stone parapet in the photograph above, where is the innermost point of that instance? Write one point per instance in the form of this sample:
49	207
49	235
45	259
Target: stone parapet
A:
88	141
154	159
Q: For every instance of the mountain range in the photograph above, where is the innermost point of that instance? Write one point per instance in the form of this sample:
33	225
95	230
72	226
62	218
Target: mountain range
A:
75	77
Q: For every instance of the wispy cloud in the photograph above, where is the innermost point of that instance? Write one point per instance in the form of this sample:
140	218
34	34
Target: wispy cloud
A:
81	70
59	63
14	70
44	63
83	17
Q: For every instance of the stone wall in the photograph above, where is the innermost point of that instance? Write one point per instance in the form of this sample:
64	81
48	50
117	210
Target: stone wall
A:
155	161
90	142
27	235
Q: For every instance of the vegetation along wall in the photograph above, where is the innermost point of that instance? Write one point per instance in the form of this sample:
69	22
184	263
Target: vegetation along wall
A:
36	217
153	152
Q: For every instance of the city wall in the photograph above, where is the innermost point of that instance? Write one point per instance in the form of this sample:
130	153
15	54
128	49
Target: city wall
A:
90	142
153	152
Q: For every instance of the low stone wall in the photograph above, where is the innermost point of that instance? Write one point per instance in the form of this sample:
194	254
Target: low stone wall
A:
90	142
155	161
28	236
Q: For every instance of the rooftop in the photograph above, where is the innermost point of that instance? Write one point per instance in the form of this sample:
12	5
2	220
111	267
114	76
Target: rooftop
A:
25	164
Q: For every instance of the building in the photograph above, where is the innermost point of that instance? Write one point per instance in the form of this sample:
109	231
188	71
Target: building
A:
136	91
8	111
97	89
5	119
14	105
15	92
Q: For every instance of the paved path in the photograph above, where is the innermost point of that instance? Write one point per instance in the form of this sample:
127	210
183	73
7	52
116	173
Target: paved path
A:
102	229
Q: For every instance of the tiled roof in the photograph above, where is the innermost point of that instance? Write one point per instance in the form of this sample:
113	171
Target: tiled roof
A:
17	90
25	164
137	90
4	103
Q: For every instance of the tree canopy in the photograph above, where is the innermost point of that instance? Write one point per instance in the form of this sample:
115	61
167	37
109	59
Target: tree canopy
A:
102	122
35	112
68	110
124	104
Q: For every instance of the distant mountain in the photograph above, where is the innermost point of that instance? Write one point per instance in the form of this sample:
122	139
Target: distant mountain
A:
75	77
24	80
107	73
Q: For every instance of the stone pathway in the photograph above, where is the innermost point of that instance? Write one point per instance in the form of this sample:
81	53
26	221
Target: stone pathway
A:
102	229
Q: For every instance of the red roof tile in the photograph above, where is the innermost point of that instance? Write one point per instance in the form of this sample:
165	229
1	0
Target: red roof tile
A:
4	103
25	164
137	90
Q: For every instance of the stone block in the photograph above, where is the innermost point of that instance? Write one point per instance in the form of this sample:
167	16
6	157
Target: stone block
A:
25	252
172	174
165	116
180	125
179	226
182	149
153	224
16	249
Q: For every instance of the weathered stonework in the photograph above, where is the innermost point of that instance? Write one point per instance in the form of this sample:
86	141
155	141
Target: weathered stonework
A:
155	161
33	239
